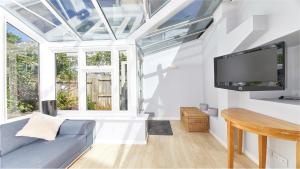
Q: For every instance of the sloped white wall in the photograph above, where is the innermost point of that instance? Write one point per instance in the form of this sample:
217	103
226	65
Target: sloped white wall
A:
282	18
165	89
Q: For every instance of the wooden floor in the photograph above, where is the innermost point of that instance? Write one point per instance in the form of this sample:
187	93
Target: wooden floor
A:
182	150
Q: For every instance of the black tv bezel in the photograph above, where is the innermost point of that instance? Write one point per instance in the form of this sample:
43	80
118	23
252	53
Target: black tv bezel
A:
253	88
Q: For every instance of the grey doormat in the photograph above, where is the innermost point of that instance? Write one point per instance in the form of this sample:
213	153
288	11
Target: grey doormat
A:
159	127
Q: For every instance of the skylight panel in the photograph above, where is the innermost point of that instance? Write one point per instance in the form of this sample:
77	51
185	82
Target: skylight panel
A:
129	14
175	32
196	10
34	14
83	18
155	5
186	25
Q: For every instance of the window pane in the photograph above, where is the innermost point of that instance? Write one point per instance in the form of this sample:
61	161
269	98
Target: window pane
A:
66	81
123	80
22	73
100	58
34	14
156	5
128	13
176	32
196	10
83	17
99	91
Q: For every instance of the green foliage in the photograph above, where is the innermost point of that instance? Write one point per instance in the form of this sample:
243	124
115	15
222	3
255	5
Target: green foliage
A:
12	38
91	105
65	101
66	67
123	56
22	75
99	58
94	106
25	107
280	59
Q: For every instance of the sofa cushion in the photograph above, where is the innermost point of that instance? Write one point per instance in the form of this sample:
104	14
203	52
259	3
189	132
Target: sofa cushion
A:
41	126
73	127
9	141
45	154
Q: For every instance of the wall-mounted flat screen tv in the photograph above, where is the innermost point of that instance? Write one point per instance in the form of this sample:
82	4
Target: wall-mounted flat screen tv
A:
257	69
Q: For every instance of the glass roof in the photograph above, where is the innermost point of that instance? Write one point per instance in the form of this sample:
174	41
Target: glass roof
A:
39	18
186	25
86	20
124	16
155	5
196	10
83	18
176	32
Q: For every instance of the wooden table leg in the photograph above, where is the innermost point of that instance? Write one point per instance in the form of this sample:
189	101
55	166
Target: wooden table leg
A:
240	141
298	155
230	144
262	149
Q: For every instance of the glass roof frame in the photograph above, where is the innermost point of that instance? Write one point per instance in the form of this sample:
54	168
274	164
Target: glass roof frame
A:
35	20
104	19
20	10
186	25
57	15
81	17
106	11
100	19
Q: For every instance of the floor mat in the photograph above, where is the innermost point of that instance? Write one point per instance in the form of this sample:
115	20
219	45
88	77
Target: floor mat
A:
159	127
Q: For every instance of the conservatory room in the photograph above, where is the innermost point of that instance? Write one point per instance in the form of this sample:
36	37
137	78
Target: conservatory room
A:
149	84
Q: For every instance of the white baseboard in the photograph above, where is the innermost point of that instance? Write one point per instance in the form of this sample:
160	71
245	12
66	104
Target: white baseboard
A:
250	156
224	144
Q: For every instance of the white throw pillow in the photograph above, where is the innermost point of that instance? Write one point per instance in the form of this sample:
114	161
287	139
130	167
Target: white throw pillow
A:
41	126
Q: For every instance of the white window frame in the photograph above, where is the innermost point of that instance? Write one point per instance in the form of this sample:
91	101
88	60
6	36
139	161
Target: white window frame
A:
83	69
6	17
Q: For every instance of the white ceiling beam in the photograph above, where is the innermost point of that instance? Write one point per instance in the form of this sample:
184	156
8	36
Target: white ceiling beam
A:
62	20
160	17
146	8
103	19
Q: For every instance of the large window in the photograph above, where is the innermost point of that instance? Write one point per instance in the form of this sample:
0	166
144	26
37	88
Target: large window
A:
22	68
66	81
93	80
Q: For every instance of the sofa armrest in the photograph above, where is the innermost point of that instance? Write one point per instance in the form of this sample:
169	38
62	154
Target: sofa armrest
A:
77	127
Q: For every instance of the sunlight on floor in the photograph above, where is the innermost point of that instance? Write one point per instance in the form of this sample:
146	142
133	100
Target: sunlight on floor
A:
183	150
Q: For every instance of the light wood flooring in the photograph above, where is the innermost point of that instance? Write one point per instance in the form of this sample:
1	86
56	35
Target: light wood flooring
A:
182	150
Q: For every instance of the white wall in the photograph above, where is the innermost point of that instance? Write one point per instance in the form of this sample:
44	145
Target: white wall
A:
282	18
293	70
166	89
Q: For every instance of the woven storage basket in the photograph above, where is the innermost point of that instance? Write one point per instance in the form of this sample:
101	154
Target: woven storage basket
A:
194	120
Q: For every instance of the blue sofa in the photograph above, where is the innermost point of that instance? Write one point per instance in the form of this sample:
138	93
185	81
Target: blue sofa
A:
74	137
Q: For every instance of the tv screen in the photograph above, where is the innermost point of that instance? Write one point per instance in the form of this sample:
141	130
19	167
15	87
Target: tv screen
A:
257	69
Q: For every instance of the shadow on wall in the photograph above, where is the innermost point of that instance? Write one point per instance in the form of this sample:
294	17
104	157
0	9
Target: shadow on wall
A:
168	87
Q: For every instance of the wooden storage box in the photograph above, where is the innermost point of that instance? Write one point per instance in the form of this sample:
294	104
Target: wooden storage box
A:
194	120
